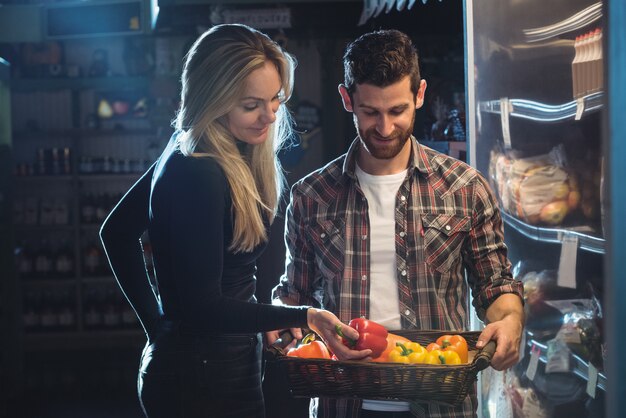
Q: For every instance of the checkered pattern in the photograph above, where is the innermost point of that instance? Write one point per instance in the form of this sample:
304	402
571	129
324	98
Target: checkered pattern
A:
448	226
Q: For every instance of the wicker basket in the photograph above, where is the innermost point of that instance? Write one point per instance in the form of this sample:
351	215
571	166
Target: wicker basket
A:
447	385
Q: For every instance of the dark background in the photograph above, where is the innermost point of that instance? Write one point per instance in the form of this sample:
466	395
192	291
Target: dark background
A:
85	372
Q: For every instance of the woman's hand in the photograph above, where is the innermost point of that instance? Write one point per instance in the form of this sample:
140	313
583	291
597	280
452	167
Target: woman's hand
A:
324	324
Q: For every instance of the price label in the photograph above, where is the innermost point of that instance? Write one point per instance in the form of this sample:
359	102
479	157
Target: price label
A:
533	362
567	263
592	380
580	108
505	110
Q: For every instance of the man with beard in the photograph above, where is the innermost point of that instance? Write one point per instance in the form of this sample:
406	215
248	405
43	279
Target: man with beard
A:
389	230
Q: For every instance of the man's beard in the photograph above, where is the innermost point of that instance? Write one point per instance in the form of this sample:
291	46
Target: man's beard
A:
394	143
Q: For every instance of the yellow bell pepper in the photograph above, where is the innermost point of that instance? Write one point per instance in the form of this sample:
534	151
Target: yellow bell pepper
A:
442	357
451	357
407	353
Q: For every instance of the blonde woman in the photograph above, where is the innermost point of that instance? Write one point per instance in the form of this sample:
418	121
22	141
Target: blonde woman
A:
207	204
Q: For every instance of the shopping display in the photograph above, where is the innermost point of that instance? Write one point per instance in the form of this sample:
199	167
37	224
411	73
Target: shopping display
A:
536	78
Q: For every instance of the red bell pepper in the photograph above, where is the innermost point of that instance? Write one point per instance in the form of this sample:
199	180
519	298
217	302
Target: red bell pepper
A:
372	336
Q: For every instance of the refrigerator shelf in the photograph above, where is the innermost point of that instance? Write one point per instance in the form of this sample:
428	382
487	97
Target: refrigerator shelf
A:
555	235
579	366
573	23
541	112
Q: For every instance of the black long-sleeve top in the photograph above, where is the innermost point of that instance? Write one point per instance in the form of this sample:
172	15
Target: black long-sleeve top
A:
185	204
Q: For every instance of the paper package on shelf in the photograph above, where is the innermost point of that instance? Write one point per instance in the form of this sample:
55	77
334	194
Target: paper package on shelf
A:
539	190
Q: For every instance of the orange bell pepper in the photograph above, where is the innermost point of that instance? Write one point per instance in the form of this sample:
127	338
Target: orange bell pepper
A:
454	343
433	346
310	348
392	339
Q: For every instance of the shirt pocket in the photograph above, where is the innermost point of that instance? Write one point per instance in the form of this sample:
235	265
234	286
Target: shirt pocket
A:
329	245
443	239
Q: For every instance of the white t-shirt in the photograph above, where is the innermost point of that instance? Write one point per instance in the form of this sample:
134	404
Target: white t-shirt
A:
381	192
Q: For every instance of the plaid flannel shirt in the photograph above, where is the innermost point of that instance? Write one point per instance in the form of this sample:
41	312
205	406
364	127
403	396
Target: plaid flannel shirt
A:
447	224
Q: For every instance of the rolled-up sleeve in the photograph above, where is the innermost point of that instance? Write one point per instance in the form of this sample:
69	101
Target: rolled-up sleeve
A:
293	288
486	253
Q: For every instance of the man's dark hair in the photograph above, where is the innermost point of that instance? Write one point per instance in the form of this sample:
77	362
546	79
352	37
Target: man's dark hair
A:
380	58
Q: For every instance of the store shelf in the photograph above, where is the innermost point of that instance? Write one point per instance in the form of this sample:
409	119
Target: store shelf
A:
573	23
555	235
579	366
98	280
541	112
109	177
48	282
44	228
29	85
80	133
45	178
80	340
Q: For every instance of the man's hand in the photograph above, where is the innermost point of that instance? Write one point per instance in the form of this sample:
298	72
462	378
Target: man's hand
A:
506	324
507	335
272	336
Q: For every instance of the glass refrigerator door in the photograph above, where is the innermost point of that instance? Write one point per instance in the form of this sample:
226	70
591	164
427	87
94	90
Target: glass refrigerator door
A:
535	111
9	319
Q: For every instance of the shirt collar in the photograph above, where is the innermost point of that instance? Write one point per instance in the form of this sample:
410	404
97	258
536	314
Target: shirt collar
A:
418	160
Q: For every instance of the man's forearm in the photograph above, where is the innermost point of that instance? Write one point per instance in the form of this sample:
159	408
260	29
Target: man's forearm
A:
508	306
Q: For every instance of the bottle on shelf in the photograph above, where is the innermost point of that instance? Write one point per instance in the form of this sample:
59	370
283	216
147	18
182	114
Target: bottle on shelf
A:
43	260
61	209
66	165
92	308
102	207
93	260
25	260
31	311
49	312
87	209
64	261
47	215
31	210
66	309
112	314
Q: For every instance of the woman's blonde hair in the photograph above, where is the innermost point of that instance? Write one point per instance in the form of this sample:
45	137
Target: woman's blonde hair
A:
213	80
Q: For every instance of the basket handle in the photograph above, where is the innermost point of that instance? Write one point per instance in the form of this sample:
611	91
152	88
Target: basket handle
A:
483	358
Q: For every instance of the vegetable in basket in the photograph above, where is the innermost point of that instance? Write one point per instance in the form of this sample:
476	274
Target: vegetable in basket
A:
372	336
309	347
437	356
408	353
454	343
392	339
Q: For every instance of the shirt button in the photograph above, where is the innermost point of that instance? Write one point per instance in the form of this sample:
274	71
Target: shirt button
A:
323	235
407	312
403	272
364	277
402	198
448	227
364	237
402	234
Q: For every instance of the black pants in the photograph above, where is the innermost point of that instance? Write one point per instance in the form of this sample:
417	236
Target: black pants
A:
188	375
